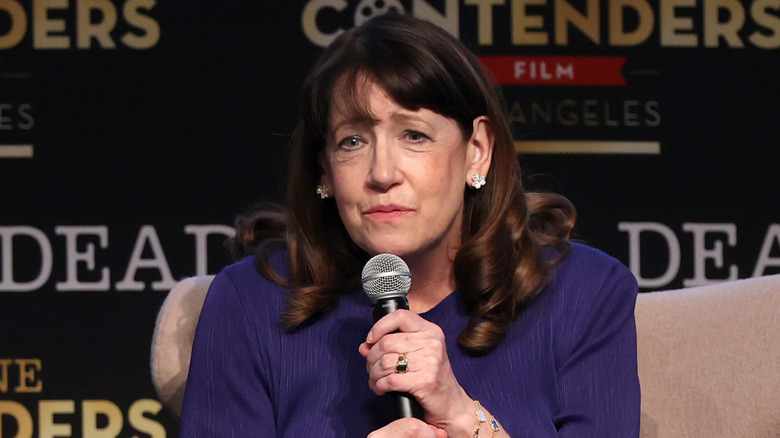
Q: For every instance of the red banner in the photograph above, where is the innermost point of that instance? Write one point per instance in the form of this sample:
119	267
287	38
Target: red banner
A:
556	70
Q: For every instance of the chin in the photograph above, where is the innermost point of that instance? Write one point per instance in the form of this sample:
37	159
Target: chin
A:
389	247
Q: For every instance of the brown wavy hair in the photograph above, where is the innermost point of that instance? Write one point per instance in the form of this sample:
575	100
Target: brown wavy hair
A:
500	265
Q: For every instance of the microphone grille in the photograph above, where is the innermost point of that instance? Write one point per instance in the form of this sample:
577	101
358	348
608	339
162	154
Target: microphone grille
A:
385	276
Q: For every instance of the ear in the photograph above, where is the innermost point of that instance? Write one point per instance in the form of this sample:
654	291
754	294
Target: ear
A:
480	148
325	178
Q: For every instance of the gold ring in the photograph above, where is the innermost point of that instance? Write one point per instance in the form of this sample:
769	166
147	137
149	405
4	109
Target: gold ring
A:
400	366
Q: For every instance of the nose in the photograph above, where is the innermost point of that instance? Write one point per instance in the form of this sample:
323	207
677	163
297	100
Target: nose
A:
384	172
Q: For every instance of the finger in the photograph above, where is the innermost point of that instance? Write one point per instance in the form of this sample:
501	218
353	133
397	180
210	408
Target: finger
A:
413	344
393	382
392	363
400	320
392	372
364	349
407	427
421	372
393	344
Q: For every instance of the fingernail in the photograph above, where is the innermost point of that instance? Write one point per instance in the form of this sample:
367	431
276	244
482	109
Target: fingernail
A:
370	336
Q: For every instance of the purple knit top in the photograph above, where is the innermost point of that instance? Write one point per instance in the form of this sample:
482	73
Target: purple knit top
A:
567	367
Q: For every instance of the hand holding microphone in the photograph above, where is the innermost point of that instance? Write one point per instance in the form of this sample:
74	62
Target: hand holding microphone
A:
407	355
386	280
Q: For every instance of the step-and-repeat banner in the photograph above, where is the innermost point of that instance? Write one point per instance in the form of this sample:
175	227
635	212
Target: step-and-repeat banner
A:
133	131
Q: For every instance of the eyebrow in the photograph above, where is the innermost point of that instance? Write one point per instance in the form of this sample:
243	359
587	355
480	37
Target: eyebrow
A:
409	116
397	117
352	121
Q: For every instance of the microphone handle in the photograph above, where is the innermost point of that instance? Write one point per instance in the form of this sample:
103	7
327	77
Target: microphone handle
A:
400	404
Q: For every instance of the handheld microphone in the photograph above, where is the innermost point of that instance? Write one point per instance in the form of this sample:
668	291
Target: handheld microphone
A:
386	280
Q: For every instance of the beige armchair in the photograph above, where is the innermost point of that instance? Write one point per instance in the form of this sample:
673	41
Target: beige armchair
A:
174	332
709	360
709	357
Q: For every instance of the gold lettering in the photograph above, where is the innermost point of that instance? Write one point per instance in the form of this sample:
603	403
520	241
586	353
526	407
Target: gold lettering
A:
768	21
485	19
100	31
617	34
672	27
45	29
523	24
47	409
4	375
29	381
150	27
142	424
23	418
18	24
90	409
714	29
566	14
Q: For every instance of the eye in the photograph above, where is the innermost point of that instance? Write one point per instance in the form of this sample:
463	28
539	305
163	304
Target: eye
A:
351	142
415	137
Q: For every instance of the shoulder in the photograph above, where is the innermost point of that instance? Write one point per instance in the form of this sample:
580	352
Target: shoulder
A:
590	299
587	267
245	274
243	290
588	281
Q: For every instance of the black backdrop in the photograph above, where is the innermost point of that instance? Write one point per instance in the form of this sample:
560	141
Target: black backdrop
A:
112	148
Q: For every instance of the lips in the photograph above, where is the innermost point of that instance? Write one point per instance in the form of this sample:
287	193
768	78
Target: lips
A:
389	212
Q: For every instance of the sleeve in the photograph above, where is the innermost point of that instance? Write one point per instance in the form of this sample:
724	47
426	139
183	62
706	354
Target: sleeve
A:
227	392
597	377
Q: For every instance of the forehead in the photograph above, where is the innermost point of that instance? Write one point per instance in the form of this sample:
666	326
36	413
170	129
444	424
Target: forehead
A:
352	99
363	101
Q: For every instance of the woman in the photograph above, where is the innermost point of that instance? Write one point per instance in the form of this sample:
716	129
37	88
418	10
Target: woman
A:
404	147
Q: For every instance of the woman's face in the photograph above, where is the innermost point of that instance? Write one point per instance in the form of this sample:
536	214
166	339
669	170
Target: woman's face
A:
399	178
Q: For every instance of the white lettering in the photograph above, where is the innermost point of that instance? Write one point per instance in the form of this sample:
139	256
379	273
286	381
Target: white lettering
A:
73	257
701	253
634	229
564	71
147	235
764	258
542	71
7	235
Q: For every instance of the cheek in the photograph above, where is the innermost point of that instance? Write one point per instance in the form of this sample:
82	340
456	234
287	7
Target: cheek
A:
343	181
346	195
451	172
443	190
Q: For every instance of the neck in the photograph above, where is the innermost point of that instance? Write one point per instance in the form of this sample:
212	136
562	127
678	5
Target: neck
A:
433	279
